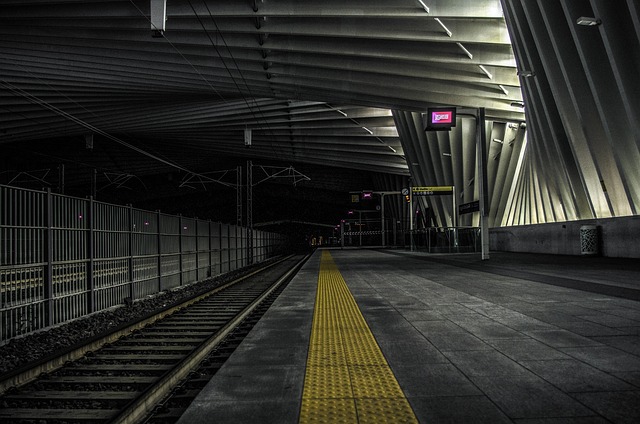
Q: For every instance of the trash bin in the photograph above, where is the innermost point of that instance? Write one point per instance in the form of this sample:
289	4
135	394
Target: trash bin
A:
589	240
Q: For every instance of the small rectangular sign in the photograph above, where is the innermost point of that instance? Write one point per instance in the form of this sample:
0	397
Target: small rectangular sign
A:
469	207
442	117
432	191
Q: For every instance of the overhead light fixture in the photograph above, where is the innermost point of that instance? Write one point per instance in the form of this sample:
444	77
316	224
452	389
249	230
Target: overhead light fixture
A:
588	21
367	130
392	149
468	53
446	154
504	90
495	140
487	73
424	6
526	73
517	104
449	33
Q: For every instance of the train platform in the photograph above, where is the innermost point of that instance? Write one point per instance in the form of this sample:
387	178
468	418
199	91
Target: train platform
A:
396	336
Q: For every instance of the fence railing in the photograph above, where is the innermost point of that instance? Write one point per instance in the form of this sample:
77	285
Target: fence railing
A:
63	257
446	239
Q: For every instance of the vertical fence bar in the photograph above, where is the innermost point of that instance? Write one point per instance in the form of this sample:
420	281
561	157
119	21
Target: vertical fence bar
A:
180	255
159	250
210	251
130	247
48	269
91	305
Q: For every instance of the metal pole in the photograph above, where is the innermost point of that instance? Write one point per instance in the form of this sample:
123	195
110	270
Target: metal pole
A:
454	217
159	249
483	186
250	212
360	227
90	256
382	217
180	248
239	196
48	270
342	234
130	212
411	244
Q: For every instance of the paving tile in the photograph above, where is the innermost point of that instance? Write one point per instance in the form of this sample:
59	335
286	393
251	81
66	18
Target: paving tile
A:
270	352
575	376
528	396
235	382
589	329
485	363
422	314
457	409
610	320
576	420
605	358
629	344
629	313
619	407
631	377
437	327
491	330
411	352
553	317
433	380
562	338
258	411
526	349
457	341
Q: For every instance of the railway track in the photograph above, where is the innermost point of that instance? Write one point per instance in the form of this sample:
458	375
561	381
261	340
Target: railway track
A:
120	378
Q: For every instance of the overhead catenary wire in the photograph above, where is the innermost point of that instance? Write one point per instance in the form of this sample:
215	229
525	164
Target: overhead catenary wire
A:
36	100
180	53
229	70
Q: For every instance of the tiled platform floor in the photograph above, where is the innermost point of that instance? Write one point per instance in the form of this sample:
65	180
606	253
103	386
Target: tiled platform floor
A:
468	341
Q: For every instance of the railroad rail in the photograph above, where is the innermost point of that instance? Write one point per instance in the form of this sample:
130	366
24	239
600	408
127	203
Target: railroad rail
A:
122	376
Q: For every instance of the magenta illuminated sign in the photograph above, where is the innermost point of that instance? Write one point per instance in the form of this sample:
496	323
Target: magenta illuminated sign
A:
444	117
441	118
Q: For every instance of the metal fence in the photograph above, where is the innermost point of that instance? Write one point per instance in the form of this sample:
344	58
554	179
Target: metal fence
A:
63	257
446	239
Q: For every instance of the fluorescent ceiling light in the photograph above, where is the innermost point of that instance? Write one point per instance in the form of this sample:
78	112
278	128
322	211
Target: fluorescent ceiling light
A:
588	21
504	90
424	6
465	50
367	130
517	104
449	33
487	73
392	149
495	140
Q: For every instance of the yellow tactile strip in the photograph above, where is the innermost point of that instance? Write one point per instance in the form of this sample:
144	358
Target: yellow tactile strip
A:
348	379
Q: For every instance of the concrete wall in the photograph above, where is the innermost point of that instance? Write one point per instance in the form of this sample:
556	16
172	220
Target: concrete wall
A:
619	237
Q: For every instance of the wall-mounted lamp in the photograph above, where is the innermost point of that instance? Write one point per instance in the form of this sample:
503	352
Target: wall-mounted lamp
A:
588	21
